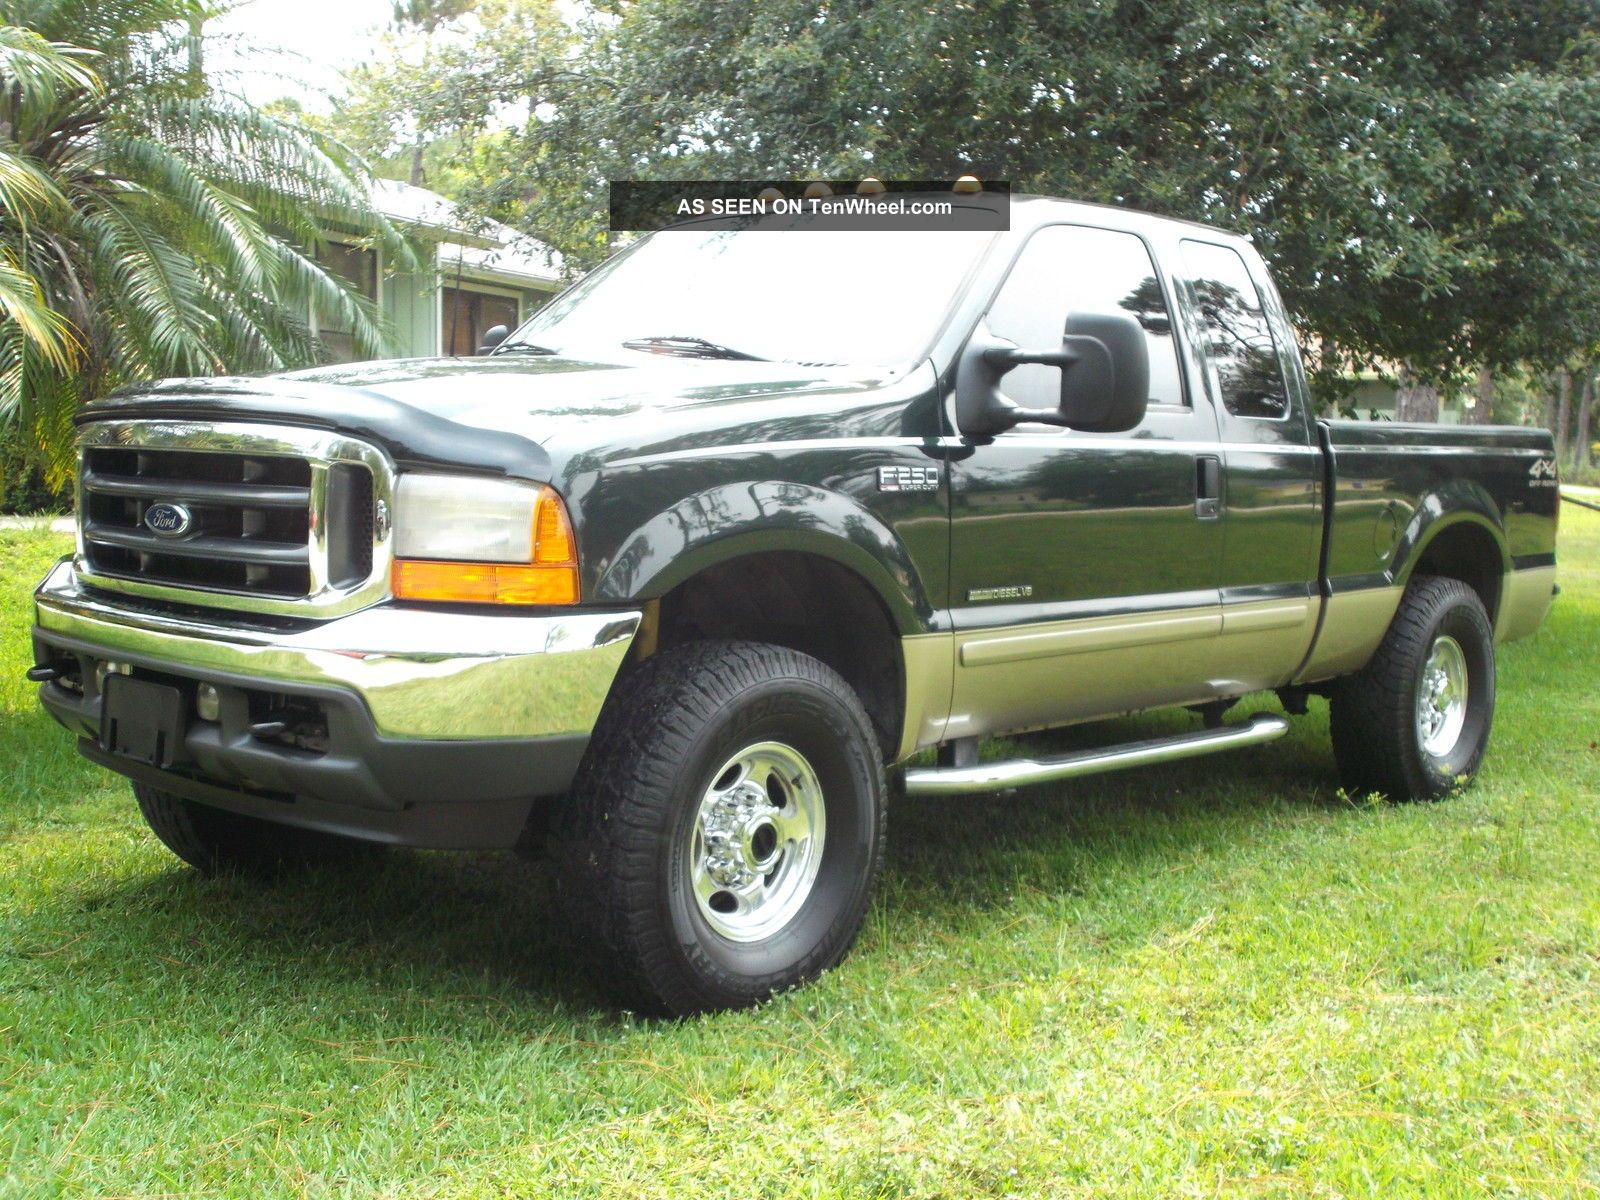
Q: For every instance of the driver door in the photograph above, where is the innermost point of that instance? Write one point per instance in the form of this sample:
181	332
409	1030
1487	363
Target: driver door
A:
1085	568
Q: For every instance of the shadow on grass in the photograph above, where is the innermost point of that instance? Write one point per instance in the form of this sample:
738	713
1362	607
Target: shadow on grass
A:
1054	833
418	928
402	926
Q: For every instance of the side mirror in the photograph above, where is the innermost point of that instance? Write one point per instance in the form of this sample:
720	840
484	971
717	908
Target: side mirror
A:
1105	378
492	337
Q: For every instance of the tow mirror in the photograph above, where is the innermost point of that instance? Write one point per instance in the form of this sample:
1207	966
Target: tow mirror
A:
1105	378
492	337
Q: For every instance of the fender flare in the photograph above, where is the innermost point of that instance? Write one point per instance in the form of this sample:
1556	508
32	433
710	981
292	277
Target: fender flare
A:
762	516
1455	503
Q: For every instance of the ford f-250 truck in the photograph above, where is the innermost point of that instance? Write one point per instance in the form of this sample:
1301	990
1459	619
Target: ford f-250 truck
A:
677	578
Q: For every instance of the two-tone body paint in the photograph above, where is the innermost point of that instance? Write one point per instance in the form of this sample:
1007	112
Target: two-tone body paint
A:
1140	596
1047	577
1396	488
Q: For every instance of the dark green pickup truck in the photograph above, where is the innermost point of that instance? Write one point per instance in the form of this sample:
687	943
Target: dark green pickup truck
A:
673	580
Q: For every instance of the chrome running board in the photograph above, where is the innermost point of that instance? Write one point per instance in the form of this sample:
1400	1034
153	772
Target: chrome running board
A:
1018	772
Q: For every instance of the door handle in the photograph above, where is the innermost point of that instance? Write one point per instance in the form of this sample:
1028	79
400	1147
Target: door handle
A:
1208	487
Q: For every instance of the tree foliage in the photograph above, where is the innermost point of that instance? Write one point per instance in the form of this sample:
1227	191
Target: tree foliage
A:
149	224
1424	175
451	100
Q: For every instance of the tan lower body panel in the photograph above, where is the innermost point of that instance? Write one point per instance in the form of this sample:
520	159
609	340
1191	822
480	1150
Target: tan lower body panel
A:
1062	672
1262	643
1524	600
1352	627
989	681
930	665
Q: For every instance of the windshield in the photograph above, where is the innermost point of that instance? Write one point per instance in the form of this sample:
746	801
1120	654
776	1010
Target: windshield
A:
818	297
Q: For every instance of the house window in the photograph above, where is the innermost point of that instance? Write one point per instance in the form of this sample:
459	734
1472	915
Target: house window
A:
360	268
468	315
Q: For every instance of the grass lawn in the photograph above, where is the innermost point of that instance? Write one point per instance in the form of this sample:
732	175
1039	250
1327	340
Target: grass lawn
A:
1216	978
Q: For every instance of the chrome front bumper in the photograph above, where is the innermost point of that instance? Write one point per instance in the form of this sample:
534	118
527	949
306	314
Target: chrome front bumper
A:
439	729
420	673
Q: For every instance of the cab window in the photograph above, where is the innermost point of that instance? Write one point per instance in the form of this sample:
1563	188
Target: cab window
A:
1236	334
1072	268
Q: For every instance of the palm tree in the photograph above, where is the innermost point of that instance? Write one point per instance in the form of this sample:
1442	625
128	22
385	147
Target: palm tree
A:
150	223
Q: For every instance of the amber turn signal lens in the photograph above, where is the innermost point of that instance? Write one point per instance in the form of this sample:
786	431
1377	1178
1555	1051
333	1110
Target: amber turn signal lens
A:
553	543
483	583
552	577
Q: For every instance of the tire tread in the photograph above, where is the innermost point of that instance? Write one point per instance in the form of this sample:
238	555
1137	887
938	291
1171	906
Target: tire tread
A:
610	829
1372	713
212	840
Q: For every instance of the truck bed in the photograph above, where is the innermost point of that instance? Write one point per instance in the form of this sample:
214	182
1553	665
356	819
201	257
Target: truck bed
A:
1393	486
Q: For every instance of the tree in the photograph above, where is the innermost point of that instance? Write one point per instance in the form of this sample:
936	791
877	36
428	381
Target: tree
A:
466	98
149	224
455	80
429	14
425	16
1420	174
1563	409
1581	444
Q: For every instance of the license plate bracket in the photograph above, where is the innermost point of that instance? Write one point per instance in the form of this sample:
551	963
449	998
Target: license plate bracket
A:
141	720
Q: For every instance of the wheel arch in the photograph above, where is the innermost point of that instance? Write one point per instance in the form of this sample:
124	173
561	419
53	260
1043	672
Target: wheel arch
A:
736	521
804	601
1457	532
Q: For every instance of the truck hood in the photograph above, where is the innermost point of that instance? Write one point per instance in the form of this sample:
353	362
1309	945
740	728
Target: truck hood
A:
542	397
497	413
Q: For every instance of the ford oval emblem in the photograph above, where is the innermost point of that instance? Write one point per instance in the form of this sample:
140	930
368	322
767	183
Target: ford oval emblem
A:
168	520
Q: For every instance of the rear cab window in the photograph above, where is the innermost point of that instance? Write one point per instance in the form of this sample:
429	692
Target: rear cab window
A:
1236	334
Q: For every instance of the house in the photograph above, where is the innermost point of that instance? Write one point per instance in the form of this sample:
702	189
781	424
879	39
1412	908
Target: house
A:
1376	396
468	276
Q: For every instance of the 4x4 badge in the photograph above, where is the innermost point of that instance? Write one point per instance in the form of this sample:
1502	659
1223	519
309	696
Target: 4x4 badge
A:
908	479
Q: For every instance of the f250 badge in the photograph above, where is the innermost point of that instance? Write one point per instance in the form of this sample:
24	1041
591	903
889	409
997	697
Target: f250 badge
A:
1543	473
908	479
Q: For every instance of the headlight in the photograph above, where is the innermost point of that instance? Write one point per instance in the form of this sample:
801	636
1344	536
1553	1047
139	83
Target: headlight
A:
464	540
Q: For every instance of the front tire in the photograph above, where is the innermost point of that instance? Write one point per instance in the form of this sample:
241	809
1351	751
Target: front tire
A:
1415	722
726	829
213	840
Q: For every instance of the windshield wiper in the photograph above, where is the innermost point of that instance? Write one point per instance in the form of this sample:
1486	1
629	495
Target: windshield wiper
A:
524	348
689	347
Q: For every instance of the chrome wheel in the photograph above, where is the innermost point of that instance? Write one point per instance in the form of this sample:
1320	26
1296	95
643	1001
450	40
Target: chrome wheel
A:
757	842
1442	697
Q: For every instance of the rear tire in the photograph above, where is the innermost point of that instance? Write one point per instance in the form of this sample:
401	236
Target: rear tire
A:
213	840
726	828
1415	722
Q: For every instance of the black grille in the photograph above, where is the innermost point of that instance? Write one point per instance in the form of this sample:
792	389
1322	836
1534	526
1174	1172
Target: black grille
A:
349	509
250	520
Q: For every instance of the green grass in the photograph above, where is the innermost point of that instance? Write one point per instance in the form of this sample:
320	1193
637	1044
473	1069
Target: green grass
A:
1221	978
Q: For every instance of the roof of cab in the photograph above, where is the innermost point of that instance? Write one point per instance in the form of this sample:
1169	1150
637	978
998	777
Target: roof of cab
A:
1086	209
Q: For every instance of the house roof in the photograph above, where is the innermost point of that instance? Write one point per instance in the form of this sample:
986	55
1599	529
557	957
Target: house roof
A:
478	247
517	259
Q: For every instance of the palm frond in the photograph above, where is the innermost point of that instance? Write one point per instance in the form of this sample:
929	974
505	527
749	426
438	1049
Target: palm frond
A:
151	225
160	288
38	71
26	188
36	324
